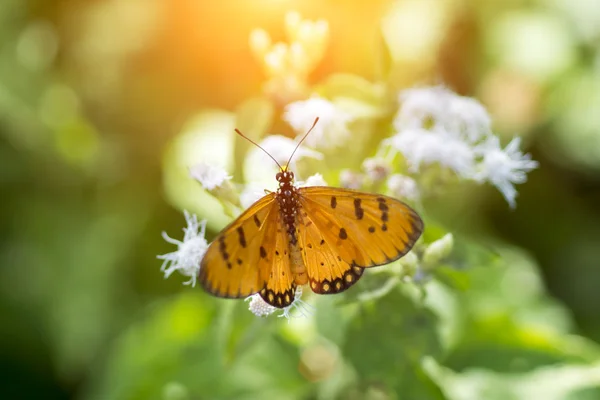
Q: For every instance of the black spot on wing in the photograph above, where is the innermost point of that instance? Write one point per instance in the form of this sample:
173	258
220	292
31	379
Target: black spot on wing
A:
241	236
358	210
343	234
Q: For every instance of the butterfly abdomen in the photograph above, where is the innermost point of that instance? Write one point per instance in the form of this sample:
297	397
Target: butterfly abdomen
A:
287	197
289	207
297	266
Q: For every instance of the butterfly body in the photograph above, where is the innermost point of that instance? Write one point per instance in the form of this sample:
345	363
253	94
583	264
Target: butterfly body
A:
321	236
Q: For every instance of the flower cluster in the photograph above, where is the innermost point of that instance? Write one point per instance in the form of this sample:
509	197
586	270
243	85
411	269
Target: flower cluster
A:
332	129
436	126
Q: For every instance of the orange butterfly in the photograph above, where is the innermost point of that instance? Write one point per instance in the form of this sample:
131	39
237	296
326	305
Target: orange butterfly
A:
322	236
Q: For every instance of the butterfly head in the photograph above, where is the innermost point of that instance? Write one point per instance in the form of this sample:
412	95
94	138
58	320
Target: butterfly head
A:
285	177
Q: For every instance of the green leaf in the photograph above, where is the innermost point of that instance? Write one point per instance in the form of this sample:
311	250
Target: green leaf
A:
386	341
556	382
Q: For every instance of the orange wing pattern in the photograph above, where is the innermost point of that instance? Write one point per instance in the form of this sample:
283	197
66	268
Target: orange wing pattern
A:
343	231
237	263
280	288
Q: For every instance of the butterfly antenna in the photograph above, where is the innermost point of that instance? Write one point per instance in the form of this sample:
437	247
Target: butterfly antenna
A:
300	142
257	145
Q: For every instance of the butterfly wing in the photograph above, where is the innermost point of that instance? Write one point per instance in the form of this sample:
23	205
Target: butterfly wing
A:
251	255
344	231
280	288
236	264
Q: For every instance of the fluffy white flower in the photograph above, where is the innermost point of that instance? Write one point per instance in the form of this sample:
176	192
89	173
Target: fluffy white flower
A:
209	176
469	118
260	308
422	107
351	180
281	148
438	108
331	130
189	252
376	168
504	167
403	187
424	147
313	180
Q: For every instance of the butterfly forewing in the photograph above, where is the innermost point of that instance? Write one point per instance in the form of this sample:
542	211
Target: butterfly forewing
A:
238	263
343	231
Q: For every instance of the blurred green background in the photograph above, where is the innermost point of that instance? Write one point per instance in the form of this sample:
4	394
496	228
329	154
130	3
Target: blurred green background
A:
92	93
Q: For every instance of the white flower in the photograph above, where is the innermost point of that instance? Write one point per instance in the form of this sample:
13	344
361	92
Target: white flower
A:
313	180
351	180
260	308
281	148
331	130
420	146
209	176
376	168
259	168
422	107
469	118
189	252
403	187
503	168
440	108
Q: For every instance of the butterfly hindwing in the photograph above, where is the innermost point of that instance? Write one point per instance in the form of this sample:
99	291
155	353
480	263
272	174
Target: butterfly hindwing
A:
327	271
280	288
346	231
236	264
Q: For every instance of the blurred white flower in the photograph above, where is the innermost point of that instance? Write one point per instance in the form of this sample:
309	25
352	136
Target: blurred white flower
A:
260	168
281	148
422	107
438	108
260	308
331	130
209	176
189	252
424	147
313	180
351	180
469	118
403	187
376	168
504	167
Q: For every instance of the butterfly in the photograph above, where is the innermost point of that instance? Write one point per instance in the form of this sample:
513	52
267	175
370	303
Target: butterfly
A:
321	236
